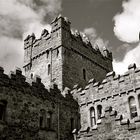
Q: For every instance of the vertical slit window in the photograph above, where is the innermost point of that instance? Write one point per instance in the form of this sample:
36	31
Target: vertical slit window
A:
42	119
84	74
92	117
132	106
49	69
49	120
99	111
3	105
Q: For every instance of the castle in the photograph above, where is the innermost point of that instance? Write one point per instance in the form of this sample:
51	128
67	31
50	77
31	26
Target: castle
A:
69	91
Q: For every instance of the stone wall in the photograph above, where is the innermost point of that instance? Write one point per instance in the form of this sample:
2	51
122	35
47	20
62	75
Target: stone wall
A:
68	55
33	112
114	91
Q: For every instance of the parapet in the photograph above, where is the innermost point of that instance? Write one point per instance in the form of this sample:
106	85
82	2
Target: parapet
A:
46	41
17	81
83	39
113	85
111	125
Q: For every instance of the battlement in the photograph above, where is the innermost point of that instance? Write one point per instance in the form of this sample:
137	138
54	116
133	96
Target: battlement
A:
111	87
51	52
110	123
51	40
36	88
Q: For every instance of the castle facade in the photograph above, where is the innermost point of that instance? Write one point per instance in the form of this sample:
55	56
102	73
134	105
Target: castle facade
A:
69	91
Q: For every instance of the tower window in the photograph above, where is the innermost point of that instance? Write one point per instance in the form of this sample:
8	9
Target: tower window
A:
92	117
3	105
84	74
57	53
49	69
47	53
132	106
139	100
99	111
31	75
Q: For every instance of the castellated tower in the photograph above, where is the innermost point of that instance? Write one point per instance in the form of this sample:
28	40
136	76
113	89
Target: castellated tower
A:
63	57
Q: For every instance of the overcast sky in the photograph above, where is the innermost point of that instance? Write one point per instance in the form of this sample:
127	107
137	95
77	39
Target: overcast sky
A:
111	23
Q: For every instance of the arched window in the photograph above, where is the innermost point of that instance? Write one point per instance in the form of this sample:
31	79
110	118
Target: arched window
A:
47	53
84	74
31	75
99	111
49	120
92	117
132	106
42	119
3	105
49	69
139	100
72	124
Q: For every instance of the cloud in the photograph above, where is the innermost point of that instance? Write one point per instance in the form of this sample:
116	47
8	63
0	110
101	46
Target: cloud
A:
11	53
131	57
18	19
126	29
127	23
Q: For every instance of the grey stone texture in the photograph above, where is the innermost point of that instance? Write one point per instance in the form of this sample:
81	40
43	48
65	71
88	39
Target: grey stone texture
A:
26	103
67	53
69	91
113	94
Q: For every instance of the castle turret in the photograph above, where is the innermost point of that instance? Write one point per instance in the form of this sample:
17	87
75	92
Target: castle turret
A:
28	44
63	57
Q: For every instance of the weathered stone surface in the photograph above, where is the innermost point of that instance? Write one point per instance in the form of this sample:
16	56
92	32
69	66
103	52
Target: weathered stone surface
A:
59	97
68	56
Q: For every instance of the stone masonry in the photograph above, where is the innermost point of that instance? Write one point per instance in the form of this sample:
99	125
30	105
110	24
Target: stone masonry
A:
118	117
69	91
63	58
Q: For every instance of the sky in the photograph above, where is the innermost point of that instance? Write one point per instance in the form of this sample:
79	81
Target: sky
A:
114	24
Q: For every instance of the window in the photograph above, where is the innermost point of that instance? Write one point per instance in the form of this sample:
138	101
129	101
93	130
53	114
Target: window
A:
31	75
3	105
42	119
84	74
132	106
99	111
139	100
49	68
49	120
47	53
72	124
92	117
57	52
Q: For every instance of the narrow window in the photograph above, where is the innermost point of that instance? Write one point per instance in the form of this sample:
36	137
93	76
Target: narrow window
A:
31	75
42	119
92	117
49	120
139	100
57	52
99	111
84	74
49	68
72	124
132	106
3	105
47	53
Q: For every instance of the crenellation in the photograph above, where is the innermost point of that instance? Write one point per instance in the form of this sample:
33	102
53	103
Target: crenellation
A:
115	90
58	99
132	66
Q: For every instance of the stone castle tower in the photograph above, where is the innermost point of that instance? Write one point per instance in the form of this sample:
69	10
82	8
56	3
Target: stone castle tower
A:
64	58
107	108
